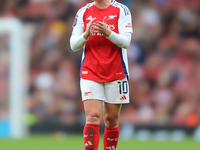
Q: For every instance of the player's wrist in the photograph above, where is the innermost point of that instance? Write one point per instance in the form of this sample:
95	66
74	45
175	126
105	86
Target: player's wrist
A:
108	32
86	35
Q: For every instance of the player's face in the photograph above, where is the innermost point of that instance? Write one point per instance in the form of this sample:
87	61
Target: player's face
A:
97	0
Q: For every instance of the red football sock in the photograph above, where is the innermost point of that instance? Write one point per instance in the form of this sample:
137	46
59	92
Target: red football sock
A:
110	138
91	136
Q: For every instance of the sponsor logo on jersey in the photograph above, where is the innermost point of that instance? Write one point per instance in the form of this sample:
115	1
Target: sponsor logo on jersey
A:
111	17
111	27
89	18
87	93
129	25
123	97
109	139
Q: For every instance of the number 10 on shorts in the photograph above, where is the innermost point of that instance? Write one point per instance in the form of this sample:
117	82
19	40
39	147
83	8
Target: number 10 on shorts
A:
123	87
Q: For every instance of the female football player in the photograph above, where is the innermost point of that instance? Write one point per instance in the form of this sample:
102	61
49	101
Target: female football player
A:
103	29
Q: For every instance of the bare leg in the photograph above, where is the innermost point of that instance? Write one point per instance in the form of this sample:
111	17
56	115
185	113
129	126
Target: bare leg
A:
111	132
93	111
111	115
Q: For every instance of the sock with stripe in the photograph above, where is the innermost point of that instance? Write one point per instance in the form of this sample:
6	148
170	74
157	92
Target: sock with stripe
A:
91	136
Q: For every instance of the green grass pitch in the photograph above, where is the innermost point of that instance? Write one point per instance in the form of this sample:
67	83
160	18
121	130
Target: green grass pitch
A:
76	143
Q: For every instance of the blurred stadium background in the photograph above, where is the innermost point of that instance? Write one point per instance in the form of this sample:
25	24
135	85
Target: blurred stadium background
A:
164	61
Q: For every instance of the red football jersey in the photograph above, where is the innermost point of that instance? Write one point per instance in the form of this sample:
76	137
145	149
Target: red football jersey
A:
102	60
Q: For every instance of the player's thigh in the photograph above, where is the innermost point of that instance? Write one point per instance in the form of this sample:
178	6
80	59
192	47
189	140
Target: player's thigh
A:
92	96
93	108
117	92
92	90
112	110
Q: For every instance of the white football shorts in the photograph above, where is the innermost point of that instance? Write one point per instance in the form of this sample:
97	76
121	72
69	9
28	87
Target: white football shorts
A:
115	92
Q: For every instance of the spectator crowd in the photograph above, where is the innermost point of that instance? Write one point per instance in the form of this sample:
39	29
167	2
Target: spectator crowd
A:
164	62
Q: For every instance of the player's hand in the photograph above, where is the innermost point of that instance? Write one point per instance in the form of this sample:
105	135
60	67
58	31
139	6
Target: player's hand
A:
101	27
89	29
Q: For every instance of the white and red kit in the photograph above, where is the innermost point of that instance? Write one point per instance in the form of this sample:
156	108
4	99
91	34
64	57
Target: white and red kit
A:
104	61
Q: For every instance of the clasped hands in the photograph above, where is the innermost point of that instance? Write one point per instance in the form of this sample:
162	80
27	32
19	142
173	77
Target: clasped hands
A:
99	27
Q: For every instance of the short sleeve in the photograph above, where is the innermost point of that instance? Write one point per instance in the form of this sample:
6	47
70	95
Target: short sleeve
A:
78	22
125	20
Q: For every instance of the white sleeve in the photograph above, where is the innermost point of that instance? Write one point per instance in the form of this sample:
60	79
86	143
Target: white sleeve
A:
77	40
125	21
123	39
78	22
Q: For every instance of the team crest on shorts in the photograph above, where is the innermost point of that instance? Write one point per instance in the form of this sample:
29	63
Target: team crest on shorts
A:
87	93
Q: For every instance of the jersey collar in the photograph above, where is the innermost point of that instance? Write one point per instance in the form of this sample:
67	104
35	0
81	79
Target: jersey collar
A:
113	1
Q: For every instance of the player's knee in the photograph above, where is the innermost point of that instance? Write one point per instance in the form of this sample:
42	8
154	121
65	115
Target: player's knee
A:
93	118
111	121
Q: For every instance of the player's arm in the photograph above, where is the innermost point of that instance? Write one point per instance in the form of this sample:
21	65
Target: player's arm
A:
79	37
77	40
123	39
